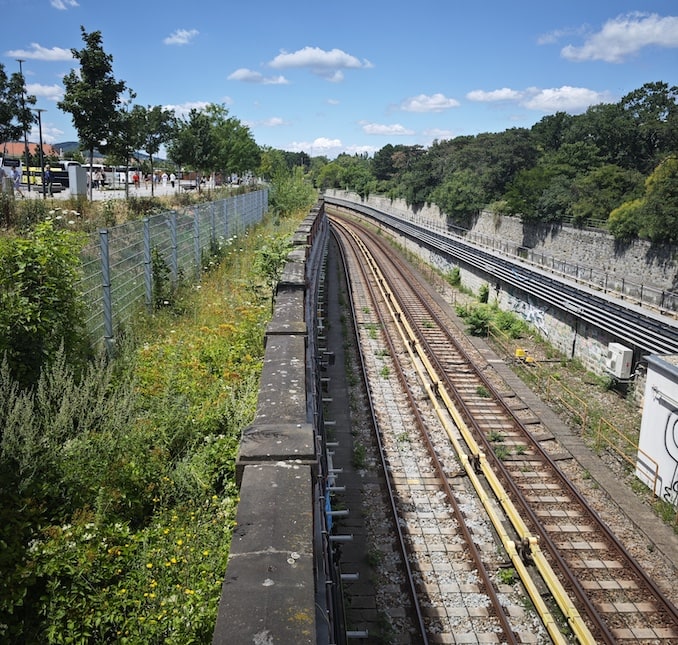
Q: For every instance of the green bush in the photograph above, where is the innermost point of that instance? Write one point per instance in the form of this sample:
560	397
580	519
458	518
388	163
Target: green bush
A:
478	319
40	304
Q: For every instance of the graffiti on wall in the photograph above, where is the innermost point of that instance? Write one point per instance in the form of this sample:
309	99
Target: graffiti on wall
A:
670	492
534	315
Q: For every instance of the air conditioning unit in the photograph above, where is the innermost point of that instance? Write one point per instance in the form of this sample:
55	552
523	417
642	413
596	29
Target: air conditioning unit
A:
619	360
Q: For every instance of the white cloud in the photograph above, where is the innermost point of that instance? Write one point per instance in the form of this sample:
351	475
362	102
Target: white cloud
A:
50	134
183	109
49	92
321	145
250	76
547	100
424	103
563	99
438	133
181	37
38	52
503	94
390	130
63	4
272	122
624	36
326	64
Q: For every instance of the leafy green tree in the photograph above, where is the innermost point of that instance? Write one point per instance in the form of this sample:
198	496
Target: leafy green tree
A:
653	109
236	150
40	305
603	189
271	163
611	129
383	165
156	127
659	210
555	202
15	113
460	196
126	137
290	193
92	95
211	141
193	144
550	132
625	220
523	193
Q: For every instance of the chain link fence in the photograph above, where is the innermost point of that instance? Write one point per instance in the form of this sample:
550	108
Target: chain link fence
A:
119	262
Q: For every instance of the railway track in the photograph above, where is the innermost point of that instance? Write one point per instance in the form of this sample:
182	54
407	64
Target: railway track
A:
597	592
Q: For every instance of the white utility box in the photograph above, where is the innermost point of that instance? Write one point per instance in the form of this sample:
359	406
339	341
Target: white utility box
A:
619	361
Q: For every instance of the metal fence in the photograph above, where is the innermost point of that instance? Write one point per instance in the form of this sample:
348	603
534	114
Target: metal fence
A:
598	279
118	262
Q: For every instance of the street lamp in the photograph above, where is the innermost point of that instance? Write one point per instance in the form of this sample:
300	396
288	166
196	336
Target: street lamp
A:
42	157
21	61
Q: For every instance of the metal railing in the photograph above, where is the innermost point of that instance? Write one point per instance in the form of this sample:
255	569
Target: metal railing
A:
117	263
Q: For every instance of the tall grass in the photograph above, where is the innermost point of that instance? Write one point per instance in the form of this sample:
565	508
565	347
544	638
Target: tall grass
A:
117	486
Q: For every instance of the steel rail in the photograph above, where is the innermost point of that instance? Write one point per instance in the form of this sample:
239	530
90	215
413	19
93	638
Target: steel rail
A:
647	331
412	591
468	418
468	538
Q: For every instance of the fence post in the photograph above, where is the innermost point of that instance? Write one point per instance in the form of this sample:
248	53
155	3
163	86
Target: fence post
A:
148	263
213	226
106	290
196	243
174	251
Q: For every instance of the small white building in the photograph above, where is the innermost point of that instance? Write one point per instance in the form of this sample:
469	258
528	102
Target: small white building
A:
657	461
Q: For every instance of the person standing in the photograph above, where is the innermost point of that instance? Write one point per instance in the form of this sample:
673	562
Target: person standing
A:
16	179
48	180
173	178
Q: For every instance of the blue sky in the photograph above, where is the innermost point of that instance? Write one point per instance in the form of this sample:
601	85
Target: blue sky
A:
350	76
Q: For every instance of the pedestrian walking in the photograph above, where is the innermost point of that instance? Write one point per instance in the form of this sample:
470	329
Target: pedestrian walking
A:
173	178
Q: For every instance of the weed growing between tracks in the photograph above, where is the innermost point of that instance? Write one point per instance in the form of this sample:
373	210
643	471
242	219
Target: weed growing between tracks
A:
116	516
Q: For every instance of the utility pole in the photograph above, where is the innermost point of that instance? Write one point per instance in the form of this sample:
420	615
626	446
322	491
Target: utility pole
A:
42	154
21	61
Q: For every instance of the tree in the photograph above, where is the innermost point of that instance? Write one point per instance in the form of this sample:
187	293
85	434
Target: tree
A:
193	144
92	95
272	162
126	137
236	150
660	206
460	196
15	113
653	109
211	141
156	127
603	189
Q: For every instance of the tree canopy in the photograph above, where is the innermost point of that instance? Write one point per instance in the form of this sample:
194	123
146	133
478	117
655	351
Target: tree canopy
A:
613	165
92	94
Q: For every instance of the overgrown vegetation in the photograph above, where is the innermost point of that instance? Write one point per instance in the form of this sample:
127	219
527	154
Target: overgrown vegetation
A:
479	317
117	493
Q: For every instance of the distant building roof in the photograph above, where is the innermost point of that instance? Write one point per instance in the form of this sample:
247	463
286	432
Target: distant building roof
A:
17	149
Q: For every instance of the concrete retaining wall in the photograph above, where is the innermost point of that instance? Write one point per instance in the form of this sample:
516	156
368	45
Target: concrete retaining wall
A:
655	265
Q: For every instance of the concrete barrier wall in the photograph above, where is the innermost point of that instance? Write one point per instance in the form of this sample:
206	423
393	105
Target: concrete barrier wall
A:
276	581
655	265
